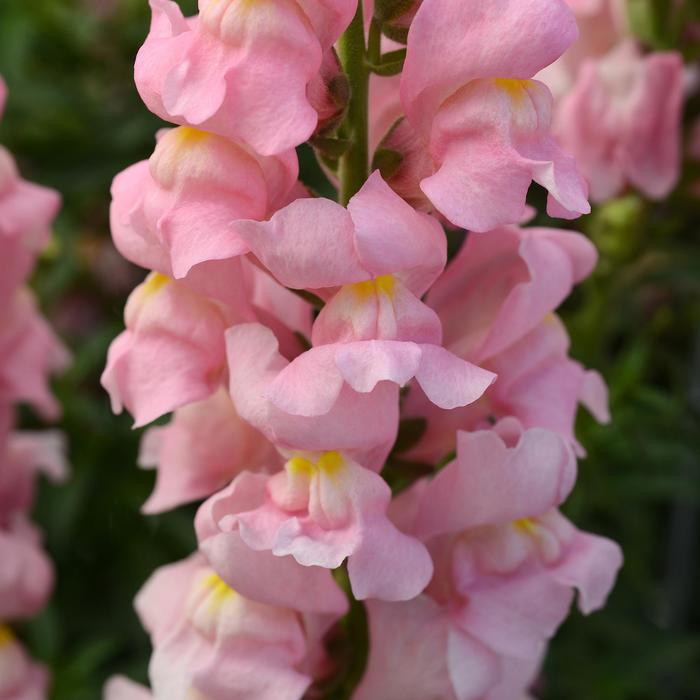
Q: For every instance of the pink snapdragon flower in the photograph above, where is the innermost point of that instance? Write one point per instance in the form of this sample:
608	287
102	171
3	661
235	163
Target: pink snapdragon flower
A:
539	384
505	562
321	509
622	121
24	455
212	642
20	677
478	124
26	214
495	301
175	210
372	262
30	353
26	575
503	284
602	25
171	353
204	446
240	69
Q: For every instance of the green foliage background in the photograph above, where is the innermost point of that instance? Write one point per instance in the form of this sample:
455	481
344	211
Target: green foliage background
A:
74	120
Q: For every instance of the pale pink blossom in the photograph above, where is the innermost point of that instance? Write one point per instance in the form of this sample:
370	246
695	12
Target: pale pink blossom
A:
26	214
23	456
505	564
538	383
504	283
176	210
171	353
21	678
480	119
622	121
418	651
205	445
320	509
30	353
26	575
240	69
602	25
372	262
495	302
211	641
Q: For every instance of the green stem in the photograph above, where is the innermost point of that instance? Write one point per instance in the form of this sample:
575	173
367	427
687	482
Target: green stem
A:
374	42
354	163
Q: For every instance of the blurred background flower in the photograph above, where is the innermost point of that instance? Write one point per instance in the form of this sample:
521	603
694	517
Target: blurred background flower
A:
74	120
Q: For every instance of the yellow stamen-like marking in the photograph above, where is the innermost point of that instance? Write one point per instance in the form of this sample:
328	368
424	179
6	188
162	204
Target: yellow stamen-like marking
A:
330	463
513	87
7	636
187	136
526	525
380	285
300	465
155	282
219	591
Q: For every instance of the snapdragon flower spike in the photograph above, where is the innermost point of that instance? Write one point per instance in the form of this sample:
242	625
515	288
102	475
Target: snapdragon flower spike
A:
26	575
505	561
622	121
468	94
30	353
321	509
175	210
240	69
205	445
26	213
210	641
382	255
20	677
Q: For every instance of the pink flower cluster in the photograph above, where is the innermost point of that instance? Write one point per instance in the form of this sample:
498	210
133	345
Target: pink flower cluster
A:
618	110
29	354
291	337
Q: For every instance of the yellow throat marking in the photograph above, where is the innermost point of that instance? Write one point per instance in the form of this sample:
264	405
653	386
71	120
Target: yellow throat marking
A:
527	526
515	89
384	284
155	282
329	463
219	591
